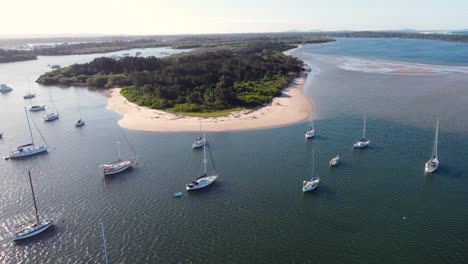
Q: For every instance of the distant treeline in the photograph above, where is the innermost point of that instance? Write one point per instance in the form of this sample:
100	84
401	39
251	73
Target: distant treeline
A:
16	55
245	76
403	35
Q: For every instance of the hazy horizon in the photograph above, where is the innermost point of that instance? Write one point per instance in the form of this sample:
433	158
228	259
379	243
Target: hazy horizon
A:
144	17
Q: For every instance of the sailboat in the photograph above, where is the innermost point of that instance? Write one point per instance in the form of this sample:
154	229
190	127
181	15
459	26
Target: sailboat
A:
204	180
433	164
54	115
27	149
80	122
29	95
35	228
311	130
119	165
311	184
200	142
335	160
363	142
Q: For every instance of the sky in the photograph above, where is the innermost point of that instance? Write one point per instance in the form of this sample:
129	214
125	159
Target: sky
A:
142	17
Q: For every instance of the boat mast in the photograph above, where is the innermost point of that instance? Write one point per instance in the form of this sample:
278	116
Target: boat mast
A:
204	158
436	141
313	161
34	197
118	149
364	129
29	125
104	243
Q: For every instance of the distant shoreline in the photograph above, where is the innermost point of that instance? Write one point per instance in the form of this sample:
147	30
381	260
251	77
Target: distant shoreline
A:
289	108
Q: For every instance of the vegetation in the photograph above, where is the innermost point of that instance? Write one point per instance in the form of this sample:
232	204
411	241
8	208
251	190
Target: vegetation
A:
16	55
197	82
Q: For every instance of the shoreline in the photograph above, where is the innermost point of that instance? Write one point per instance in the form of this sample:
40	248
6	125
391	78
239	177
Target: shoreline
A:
292	107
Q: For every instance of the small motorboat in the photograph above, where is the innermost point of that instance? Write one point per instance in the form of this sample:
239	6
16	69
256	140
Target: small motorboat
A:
37	108
335	161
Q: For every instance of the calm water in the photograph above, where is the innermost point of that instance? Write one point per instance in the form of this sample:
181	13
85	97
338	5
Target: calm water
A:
376	207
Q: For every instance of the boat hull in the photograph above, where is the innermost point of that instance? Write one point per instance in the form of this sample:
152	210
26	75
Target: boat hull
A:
120	168
43	226
202	183
361	144
334	162
51	117
198	144
25	153
310	134
37	109
308	186
431	165
79	124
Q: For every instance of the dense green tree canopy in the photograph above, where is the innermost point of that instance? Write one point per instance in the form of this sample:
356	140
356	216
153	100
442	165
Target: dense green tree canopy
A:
246	76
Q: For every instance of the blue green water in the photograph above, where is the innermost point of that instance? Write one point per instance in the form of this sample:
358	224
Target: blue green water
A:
378	206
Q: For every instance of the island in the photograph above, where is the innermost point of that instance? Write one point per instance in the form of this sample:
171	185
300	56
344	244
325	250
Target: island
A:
16	55
236	83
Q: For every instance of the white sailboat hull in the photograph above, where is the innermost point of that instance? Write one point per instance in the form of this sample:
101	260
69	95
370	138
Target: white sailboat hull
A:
361	144
33	230
29	96
16	154
37	108
199	143
308	186
51	117
310	134
116	167
201	183
432	165
334	161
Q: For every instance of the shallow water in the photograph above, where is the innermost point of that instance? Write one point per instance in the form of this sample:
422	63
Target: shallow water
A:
377	206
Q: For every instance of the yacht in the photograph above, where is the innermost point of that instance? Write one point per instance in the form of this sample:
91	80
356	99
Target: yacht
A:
311	184
363	142
204	180
335	161
37	227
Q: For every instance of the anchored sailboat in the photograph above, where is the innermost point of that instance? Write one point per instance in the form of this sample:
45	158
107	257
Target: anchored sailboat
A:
335	160
311	184
200	142
311	130
204	180
119	165
54	115
433	164
35	228
28	149
363	142
80	122
29	94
